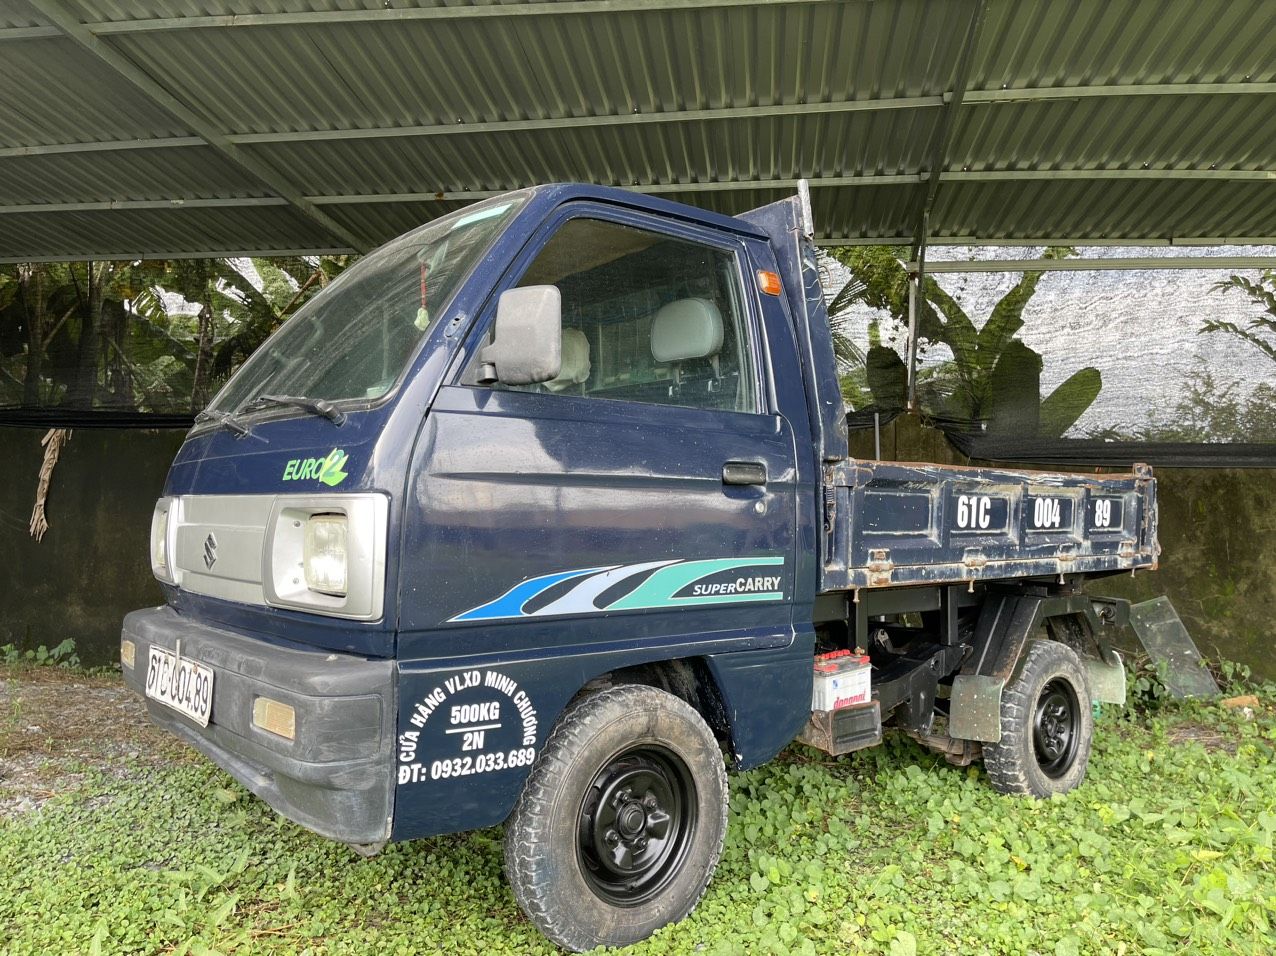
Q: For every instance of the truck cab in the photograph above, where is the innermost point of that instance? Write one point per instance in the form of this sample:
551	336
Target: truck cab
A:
539	510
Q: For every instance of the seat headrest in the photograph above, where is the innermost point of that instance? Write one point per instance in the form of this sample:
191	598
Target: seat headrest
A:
575	368
686	329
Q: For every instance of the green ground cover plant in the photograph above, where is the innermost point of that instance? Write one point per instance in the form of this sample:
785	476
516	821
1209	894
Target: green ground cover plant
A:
60	655
1166	848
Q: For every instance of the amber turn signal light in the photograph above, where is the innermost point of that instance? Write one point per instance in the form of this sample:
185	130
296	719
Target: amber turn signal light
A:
769	282
278	718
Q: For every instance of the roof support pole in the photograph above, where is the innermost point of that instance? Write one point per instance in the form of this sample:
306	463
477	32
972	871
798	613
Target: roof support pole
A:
939	154
912	342
938	159
70	25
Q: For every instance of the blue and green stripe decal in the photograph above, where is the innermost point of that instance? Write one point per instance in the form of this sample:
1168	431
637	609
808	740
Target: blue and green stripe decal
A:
655	584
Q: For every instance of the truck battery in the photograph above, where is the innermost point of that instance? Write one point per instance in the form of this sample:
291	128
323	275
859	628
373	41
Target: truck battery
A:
844	717
841	680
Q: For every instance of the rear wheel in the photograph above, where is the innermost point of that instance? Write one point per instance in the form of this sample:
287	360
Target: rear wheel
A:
1046	725
621	822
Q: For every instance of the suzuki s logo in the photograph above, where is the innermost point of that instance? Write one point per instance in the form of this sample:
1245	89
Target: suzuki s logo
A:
210	551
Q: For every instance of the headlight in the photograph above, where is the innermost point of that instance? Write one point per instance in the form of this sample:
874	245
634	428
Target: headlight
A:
324	554
159	541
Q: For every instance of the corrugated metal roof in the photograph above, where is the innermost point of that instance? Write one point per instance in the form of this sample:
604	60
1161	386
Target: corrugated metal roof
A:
51	92
125	175
176	232
212	126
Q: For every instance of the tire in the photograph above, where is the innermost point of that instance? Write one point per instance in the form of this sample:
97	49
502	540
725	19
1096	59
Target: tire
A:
1046	725
621	822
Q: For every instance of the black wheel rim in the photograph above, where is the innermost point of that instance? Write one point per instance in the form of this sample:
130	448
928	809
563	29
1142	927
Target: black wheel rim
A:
1056	730
636	825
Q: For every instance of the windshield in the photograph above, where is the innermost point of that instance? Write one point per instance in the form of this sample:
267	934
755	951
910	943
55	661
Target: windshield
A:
354	339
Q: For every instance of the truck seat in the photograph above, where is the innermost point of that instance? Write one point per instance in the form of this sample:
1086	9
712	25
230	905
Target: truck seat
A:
686	329
688	333
575	368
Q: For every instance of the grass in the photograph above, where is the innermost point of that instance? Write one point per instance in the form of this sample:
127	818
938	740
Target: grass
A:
1166	848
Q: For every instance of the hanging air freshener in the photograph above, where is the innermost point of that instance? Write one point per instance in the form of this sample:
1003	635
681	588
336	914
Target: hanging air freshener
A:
423	313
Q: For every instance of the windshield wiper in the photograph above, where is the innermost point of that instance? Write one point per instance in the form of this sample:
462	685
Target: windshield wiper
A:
316	406
222	418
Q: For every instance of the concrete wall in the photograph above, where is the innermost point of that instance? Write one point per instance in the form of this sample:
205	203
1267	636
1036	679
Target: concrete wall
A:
1218	531
92	566
1218	563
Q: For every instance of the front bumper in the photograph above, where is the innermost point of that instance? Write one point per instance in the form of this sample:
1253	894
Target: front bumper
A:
336	777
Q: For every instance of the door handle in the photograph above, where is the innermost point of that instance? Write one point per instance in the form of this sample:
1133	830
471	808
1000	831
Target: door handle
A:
744	473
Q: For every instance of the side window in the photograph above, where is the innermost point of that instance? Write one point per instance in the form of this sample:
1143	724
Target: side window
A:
646	318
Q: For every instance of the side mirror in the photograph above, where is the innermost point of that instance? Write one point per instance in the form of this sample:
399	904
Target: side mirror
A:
529	338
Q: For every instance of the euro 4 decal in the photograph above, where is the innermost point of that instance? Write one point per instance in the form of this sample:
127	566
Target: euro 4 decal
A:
631	587
330	470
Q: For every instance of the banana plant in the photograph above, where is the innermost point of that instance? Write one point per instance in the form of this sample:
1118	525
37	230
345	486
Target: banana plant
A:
993	379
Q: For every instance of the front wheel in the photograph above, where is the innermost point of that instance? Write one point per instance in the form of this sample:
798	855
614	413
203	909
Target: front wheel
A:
621	822
1046	725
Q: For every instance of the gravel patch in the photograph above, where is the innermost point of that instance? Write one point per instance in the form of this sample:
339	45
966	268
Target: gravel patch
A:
56	726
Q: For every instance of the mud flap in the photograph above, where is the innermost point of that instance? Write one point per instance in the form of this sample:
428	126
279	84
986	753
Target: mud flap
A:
975	703
975	708
1169	645
1107	678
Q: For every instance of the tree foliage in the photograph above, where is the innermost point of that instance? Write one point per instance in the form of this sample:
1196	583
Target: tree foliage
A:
143	336
1260	331
1207	411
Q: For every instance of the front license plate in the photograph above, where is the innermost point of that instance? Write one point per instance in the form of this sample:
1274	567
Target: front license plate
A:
180	683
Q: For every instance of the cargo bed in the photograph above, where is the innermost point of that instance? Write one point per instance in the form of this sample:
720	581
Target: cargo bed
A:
896	523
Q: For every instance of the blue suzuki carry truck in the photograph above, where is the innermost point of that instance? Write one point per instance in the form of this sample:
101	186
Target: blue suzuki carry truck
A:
543	514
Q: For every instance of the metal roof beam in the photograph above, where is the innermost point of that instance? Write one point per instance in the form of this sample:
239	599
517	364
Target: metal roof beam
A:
610	119
1011	265
1191	241
187	254
1036	94
29	33
74	30
1176	242
473	195
666	116
105	146
939	154
939	159
1099	265
652	189
862	240
1005	175
114	205
531	8
499	126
